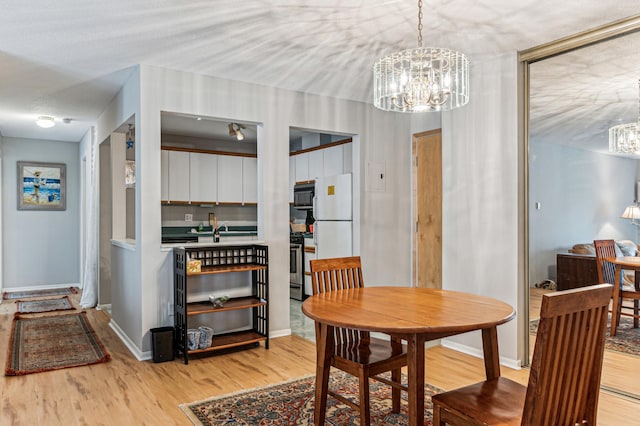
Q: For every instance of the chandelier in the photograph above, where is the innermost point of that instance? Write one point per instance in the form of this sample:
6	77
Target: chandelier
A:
421	79
625	138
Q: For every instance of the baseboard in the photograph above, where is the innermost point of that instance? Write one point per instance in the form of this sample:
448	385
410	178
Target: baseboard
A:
507	362
40	287
104	307
140	356
279	333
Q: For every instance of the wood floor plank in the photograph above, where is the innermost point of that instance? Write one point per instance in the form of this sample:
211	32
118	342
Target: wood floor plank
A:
126	391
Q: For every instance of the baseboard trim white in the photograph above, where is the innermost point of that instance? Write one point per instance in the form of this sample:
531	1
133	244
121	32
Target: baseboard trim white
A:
279	333
135	351
507	362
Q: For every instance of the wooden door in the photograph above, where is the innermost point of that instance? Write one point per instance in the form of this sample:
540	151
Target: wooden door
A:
427	175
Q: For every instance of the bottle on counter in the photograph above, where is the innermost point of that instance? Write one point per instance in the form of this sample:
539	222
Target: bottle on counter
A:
216	232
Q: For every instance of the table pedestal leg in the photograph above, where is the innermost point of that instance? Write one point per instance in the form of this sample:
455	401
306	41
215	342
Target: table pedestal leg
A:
415	373
324	347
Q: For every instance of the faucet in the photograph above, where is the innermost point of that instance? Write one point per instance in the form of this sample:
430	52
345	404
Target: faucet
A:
224	225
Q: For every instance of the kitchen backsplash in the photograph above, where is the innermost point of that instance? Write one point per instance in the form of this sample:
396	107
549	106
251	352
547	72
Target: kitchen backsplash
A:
231	215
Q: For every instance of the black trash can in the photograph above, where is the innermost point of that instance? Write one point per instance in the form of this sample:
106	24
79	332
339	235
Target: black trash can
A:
162	343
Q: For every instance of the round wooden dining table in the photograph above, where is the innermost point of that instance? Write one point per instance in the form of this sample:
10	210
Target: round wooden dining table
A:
631	263
416	315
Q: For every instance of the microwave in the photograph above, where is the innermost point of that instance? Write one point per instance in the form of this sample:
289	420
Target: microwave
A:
303	194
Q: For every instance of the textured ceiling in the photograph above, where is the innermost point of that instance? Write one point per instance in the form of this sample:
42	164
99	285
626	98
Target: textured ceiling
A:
68	58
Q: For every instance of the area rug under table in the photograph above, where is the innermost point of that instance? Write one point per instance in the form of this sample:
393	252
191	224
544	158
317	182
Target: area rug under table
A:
626	340
39	293
44	305
291	403
51	343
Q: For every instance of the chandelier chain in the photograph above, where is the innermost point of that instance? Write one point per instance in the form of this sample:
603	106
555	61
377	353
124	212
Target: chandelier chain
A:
419	23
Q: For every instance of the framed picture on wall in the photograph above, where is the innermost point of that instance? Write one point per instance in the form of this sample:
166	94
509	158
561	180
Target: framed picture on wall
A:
41	186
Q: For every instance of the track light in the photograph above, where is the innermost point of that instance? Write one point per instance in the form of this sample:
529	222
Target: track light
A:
235	130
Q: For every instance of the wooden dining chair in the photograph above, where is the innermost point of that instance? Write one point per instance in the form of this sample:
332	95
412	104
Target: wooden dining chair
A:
607	273
356	352
564	380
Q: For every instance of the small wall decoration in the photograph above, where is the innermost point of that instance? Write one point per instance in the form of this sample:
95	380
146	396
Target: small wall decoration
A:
41	186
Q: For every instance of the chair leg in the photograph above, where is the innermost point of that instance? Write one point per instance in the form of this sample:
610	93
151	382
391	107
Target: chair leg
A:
365	414
635	312
396	376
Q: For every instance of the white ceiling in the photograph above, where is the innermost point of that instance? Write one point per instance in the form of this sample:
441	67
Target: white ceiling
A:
69	58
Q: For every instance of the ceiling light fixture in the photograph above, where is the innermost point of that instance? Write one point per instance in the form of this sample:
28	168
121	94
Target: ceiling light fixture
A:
625	138
45	121
421	79
234	130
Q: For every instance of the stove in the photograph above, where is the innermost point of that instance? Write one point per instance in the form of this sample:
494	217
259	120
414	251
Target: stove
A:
296	265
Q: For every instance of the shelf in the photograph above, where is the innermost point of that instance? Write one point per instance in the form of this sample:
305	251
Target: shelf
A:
208	270
197	308
231	340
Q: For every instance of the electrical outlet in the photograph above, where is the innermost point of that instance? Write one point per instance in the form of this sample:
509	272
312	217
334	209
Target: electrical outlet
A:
188	217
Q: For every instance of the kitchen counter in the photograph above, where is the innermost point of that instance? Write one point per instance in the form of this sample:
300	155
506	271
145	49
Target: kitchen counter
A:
235	242
177	232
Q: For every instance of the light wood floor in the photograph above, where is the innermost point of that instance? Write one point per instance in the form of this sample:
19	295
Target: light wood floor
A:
125	391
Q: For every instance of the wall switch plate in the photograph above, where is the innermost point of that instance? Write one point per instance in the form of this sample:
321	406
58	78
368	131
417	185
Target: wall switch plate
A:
188	217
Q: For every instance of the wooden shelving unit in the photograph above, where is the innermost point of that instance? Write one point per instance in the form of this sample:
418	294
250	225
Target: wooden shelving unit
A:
249	258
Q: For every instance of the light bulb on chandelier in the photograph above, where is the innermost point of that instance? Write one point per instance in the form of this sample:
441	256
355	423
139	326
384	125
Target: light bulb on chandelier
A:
421	79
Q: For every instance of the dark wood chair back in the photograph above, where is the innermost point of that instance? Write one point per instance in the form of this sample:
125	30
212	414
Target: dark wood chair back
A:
564	382
336	274
606	270
340	274
564	379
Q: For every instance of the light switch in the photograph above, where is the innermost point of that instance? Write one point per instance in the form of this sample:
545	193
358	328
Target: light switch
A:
538	205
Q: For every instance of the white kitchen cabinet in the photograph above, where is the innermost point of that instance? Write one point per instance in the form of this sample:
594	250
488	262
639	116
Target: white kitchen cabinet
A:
347	158
164	175
249	180
178	176
302	167
229	179
203	177
316	164
333	162
292	176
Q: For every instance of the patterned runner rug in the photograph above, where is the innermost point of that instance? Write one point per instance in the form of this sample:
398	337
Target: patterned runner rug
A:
626	340
52	342
44	305
291	403
38	293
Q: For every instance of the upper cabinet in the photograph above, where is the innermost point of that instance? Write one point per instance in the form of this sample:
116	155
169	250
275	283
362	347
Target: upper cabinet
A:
178	176
309	165
203	177
249	180
302	166
230	179
316	163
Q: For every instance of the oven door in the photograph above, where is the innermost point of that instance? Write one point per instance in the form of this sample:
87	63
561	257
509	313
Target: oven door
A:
296	271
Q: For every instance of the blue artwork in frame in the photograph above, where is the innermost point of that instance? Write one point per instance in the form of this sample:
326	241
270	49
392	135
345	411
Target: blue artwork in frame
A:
41	186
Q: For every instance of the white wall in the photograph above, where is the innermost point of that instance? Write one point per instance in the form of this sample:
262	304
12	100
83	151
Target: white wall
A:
40	247
383	230
480	196
582	195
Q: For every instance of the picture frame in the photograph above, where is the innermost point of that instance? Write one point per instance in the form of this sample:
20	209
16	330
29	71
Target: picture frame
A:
42	186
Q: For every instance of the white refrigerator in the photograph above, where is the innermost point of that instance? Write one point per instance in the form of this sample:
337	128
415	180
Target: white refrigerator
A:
332	206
